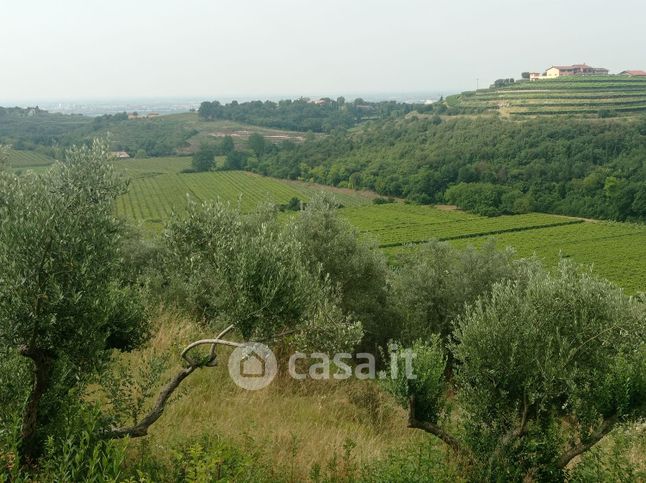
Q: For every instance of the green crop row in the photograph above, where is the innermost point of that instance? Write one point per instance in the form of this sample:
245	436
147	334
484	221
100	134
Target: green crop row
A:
614	250
153	196
398	224
28	159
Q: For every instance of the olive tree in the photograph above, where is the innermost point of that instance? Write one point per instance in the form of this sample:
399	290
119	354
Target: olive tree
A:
331	249
545	368
61	303
228	267
431	284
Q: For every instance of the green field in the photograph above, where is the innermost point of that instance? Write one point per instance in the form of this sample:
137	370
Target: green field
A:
561	96
399	224
157	188
28	159
615	250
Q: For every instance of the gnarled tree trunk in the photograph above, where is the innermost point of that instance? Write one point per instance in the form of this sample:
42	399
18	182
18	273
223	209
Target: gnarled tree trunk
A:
30	447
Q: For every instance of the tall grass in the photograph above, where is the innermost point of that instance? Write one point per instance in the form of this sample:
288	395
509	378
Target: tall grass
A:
295	426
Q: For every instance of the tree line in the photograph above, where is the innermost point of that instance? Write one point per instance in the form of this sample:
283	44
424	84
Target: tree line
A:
323	115
491	166
34	129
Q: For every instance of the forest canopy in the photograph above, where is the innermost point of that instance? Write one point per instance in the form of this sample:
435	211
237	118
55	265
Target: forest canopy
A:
591	168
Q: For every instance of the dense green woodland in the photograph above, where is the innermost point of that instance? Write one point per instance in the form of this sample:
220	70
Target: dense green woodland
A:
591	168
302	114
50	133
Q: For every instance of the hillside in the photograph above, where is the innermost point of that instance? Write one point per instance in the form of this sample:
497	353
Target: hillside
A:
585	95
158	187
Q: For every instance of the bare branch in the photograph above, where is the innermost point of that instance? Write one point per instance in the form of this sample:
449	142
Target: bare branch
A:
141	428
434	429
604	429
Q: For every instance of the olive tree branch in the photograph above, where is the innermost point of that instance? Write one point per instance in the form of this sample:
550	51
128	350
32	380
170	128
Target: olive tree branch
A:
450	440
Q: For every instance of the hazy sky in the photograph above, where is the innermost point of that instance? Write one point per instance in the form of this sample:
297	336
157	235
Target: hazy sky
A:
72	49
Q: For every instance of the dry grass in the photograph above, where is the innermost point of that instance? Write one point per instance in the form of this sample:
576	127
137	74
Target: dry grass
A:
295	423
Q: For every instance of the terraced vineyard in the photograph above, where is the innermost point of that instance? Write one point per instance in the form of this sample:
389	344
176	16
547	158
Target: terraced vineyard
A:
565	95
158	188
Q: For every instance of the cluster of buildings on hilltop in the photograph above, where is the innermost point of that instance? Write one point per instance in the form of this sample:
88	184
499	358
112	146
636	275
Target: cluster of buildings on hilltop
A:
136	115
578	69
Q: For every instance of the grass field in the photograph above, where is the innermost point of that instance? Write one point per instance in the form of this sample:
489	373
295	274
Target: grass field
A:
562	96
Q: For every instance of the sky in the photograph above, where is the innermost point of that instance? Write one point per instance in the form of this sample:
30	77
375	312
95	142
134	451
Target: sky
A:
90	49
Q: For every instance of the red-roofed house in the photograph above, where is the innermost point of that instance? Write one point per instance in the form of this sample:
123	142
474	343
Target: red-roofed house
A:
576	69
634	73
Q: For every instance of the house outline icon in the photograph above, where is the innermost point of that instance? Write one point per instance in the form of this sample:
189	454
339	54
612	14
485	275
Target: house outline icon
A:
253	365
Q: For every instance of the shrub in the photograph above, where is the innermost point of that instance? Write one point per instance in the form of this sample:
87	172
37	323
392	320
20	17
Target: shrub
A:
203	159
432	283
331	250
545	367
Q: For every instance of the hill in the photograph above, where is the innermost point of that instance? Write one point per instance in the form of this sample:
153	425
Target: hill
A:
592	168
584	95
158	187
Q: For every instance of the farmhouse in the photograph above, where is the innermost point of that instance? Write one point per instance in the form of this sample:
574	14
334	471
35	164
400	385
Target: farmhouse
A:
576	69
634	73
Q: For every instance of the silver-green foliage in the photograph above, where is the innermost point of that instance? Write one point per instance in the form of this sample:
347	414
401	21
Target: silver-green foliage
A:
331	248
59	257
61	301
432	283
545	367
248	270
